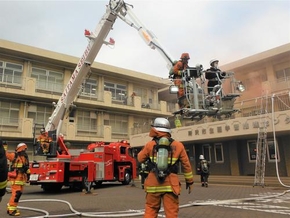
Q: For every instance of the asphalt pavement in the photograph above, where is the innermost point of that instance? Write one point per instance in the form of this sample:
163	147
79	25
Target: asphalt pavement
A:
116	200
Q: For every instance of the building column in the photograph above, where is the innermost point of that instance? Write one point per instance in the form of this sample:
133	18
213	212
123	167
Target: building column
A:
234	159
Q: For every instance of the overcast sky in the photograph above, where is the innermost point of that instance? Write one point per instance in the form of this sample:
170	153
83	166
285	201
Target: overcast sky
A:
227	30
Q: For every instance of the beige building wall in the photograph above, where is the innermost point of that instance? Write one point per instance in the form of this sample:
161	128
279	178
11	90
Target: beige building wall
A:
26	88
263	74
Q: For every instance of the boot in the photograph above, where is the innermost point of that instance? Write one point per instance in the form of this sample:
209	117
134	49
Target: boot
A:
13	213
206	185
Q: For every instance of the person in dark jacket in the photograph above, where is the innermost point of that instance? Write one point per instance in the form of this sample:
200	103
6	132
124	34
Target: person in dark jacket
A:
214	75
3	170
143	171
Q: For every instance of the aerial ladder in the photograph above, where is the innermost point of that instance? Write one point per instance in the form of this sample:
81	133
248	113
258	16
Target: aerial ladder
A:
115	9
261	145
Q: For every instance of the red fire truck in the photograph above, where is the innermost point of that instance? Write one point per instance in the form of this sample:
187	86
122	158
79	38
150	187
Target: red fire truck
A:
84	169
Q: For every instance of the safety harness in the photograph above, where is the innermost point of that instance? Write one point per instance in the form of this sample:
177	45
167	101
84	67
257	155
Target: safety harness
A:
14	169
152	164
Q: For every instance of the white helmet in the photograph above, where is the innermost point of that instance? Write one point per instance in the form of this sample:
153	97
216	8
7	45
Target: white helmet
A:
212	62
201	157
162	125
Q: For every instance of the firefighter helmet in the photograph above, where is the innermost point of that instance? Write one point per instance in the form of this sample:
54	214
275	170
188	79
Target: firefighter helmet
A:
213	61
162	125
201	157
21	147
42	130
184	56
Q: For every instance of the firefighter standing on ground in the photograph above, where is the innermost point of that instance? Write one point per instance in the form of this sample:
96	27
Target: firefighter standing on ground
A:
214	75
203	170
18	175
3	170
178	69
143	171
169	189
44	141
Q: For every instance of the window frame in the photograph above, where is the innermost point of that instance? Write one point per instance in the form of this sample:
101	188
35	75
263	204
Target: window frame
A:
207	157
250	158
16	73
86	121
48	78
119	91
271	160
8	112
90	87
38	111
222	153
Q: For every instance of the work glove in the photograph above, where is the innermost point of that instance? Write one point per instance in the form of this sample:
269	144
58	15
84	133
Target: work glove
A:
189	187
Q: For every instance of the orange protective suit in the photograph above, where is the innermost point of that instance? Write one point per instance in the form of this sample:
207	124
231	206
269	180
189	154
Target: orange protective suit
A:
44	140
169	190
177	70
19	164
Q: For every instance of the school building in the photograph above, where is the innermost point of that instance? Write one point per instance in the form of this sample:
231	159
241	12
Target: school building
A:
116	104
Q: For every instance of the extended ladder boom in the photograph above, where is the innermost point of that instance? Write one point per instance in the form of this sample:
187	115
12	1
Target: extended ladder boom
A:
96	40
116	8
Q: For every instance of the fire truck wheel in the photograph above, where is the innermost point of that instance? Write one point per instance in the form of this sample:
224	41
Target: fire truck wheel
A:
54	187
127	177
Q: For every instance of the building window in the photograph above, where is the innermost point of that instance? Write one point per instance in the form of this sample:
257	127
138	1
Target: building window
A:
48	80
87	121
90	87
271	151
218	153
39	114
252	150
141	125
119	92
142	92
283	75
118	123
206	152
10	72
9	113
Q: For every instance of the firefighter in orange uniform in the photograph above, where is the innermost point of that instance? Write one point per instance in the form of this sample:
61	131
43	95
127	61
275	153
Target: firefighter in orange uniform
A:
18	175
3	169
164	184
178	68
44	141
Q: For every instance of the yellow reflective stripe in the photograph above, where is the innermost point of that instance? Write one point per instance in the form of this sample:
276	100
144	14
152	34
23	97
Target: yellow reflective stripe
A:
11	207
19	165
188	175
154	189
17	182
3	184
